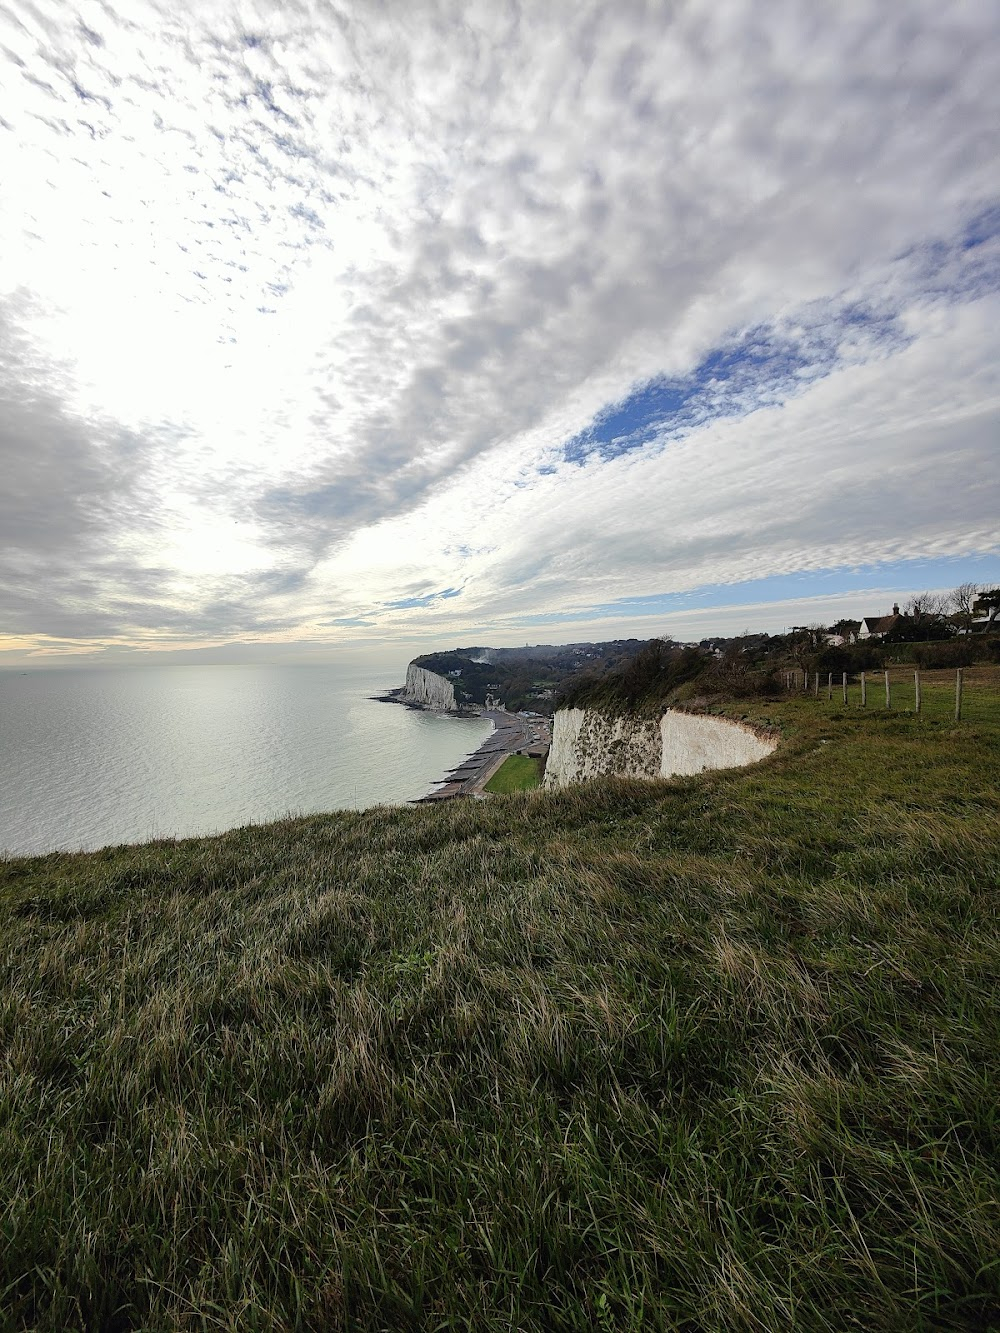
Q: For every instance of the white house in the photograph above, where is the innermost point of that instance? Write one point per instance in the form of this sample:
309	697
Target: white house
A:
877	627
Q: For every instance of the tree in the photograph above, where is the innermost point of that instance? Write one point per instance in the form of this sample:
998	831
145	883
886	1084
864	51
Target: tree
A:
800	642
924	618
927	606
962	601
847	629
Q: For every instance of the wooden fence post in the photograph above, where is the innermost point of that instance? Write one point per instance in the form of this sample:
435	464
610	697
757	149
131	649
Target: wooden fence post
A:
916	691
816	686
845	687
958	694
829	686
888	697
864	691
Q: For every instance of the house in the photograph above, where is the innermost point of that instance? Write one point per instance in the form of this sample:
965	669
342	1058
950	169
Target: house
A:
985	612
877	627
841	632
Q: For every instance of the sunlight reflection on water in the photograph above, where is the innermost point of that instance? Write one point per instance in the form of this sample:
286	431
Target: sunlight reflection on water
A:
91	757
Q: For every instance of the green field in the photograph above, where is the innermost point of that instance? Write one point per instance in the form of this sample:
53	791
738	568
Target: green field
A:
937	688
718	1053
518	772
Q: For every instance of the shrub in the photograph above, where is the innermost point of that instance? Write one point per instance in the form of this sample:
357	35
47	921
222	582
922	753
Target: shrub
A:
954	653
647	679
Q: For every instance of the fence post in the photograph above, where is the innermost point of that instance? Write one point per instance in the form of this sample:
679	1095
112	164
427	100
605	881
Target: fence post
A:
829	686
888	699
864	691
816	686
916	691
958	694
845	687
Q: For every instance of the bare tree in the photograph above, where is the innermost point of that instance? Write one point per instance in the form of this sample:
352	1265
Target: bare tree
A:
926	617
961	601
928	606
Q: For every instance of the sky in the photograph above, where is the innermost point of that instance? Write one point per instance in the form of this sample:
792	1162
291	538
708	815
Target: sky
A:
345	326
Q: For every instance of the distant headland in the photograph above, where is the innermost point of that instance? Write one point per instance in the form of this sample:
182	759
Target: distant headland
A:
526	679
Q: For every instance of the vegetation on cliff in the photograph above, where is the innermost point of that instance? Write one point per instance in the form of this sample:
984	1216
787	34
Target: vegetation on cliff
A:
525	678
648	681
715	1053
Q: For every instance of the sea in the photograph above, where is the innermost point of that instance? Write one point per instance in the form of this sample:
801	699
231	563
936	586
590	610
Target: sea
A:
97	756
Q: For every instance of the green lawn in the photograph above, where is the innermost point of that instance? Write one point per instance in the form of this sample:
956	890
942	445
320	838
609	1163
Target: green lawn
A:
518	772
715	1054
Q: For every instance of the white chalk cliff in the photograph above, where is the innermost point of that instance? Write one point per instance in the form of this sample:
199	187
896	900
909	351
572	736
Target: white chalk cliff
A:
429	690
590	744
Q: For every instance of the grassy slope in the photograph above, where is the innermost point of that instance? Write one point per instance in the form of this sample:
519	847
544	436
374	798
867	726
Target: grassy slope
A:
518	772
722	1053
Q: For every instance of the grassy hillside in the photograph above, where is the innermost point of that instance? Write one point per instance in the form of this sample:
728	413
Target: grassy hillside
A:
721	1053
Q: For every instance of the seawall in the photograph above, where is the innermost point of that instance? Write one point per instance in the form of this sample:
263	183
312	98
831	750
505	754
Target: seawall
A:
590	744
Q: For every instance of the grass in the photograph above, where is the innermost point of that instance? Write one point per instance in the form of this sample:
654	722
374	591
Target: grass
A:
518	772
719	1053
937	687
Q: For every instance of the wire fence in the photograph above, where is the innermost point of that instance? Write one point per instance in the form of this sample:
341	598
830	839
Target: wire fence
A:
962	692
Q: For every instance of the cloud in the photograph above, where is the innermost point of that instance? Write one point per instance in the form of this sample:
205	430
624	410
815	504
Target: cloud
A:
329	306
68	486
874	462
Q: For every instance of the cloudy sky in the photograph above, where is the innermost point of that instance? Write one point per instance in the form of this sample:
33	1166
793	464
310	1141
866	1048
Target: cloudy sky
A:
328	322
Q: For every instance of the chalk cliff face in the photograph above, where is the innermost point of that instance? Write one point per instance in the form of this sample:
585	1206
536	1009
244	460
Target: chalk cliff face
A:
429	690
693	742
589	744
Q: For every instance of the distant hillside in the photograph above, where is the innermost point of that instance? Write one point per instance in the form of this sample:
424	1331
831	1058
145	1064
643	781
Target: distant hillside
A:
527	678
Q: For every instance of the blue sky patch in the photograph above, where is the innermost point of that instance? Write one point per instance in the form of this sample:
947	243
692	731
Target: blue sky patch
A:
762	367
406	603
874	584
903	574
767	364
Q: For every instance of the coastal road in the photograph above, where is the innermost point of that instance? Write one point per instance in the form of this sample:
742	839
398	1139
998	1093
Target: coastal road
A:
513	732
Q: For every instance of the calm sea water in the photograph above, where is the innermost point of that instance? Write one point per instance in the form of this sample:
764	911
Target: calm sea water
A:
104	755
